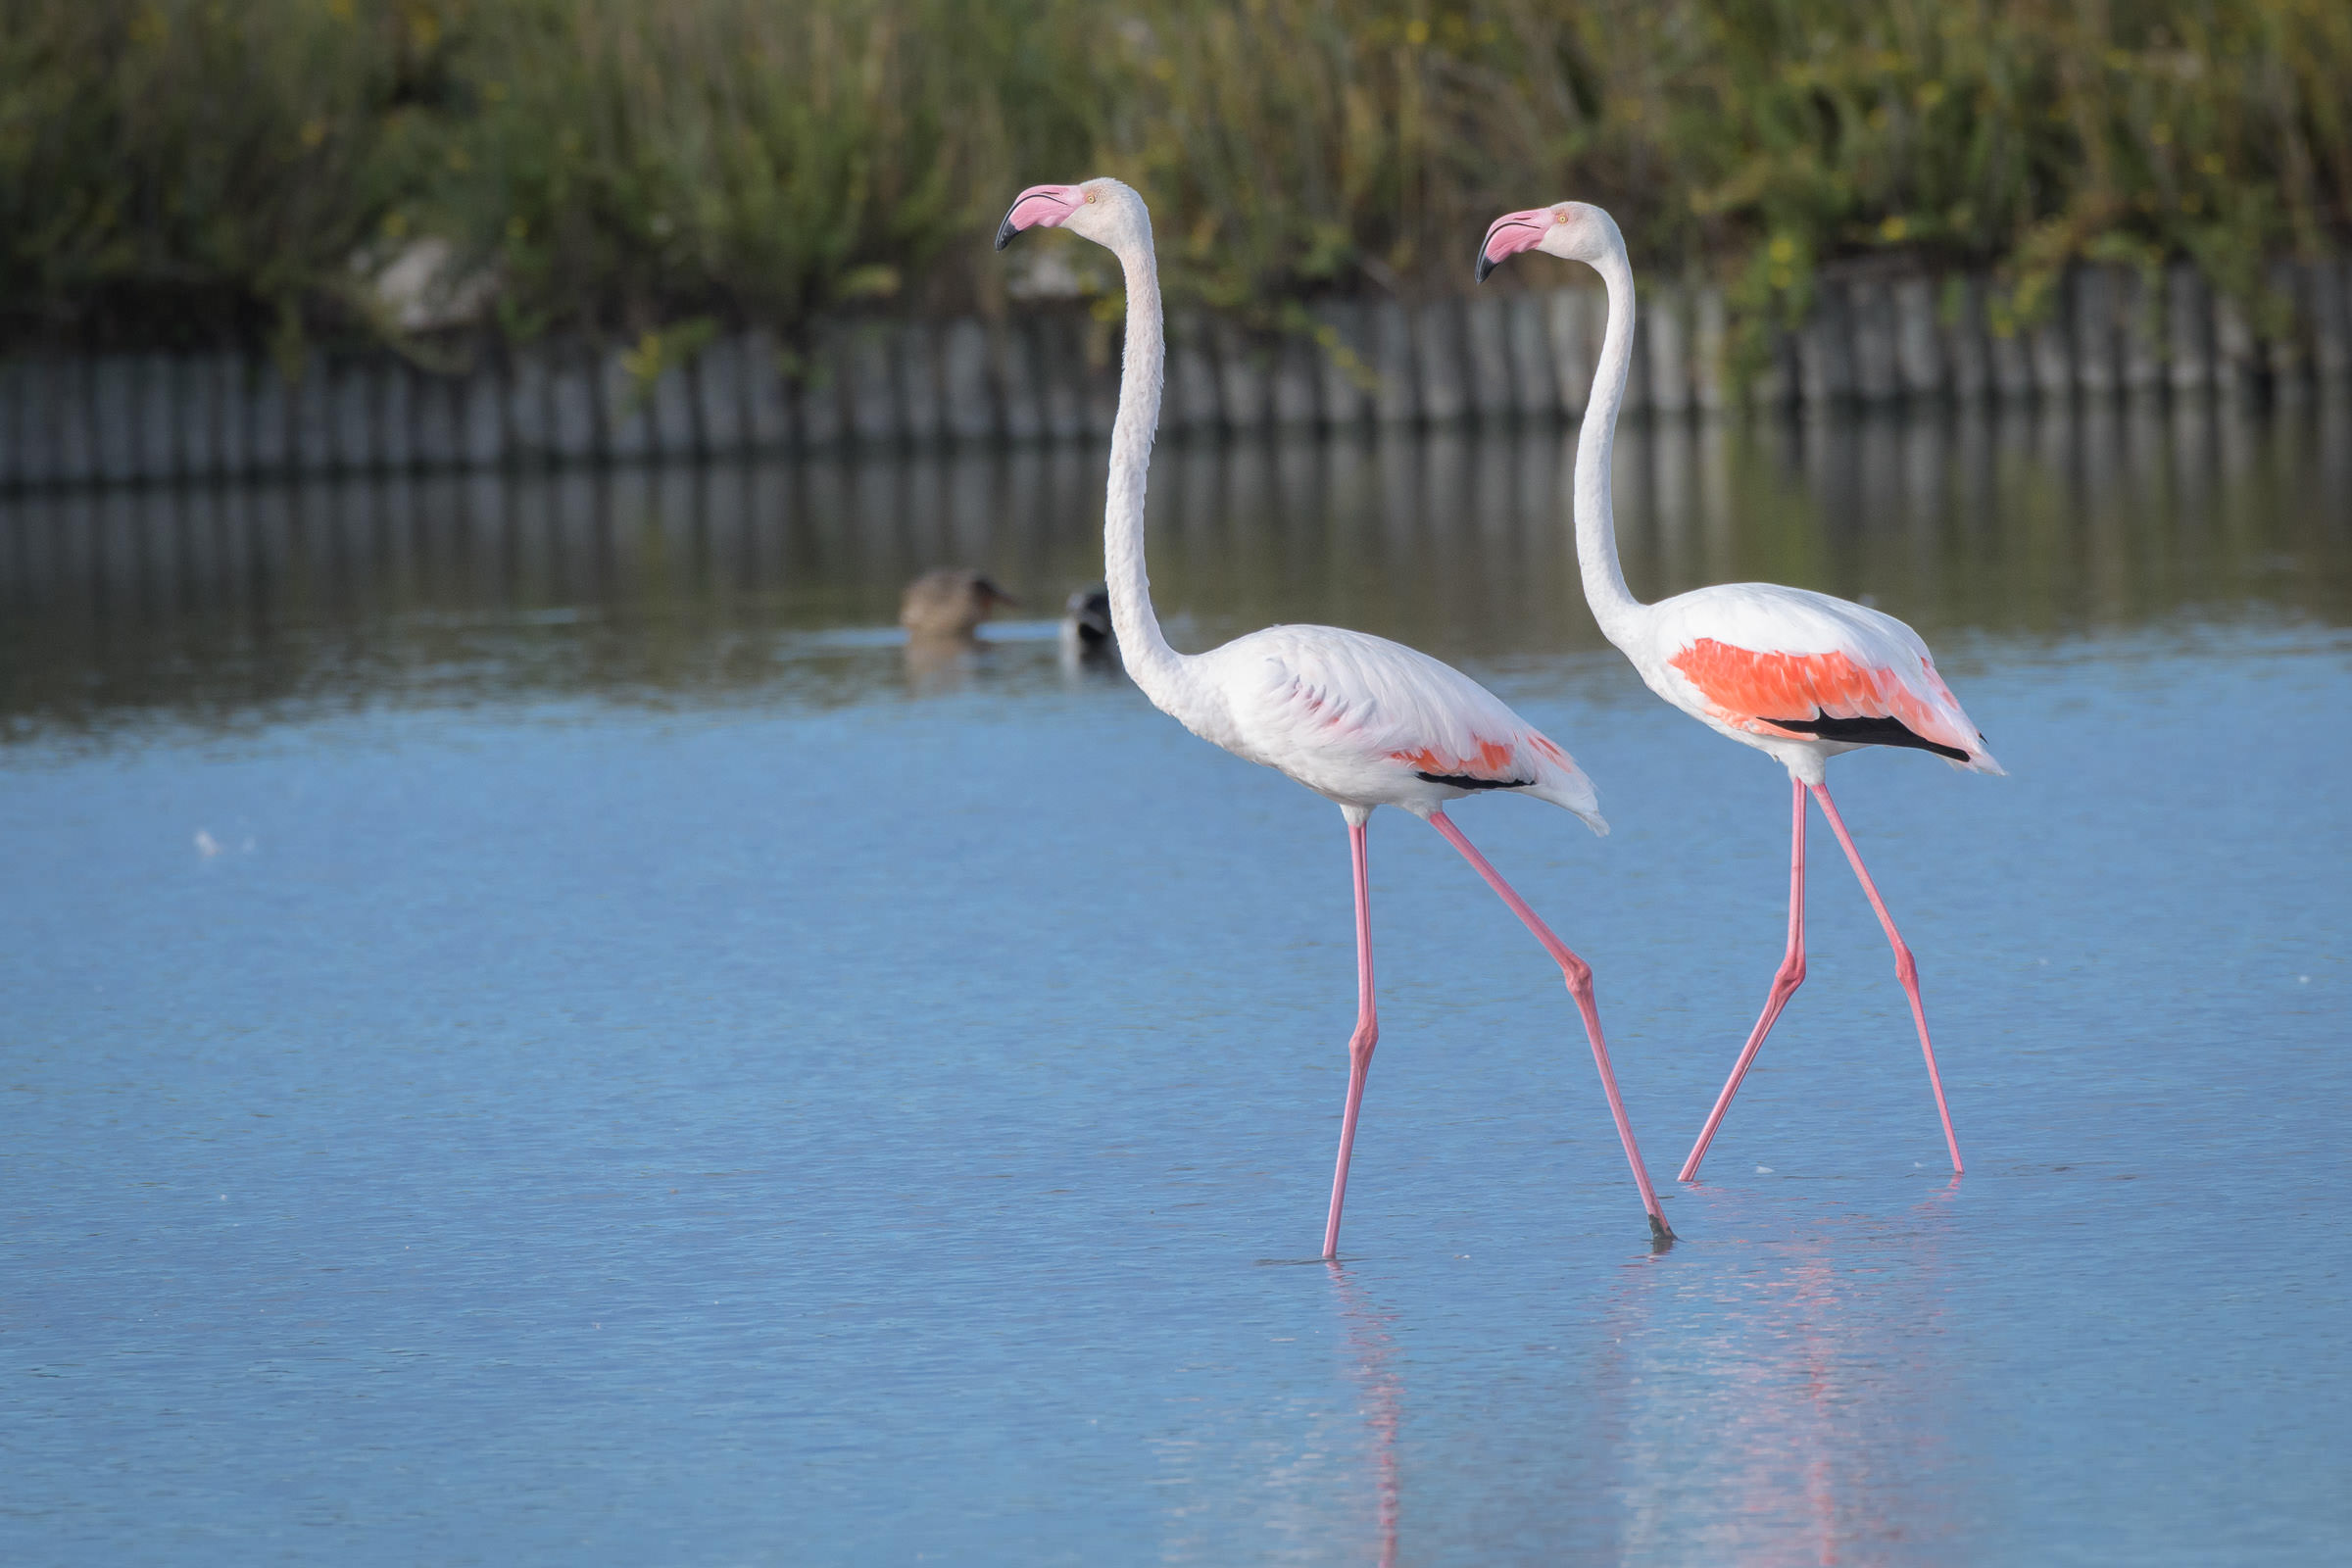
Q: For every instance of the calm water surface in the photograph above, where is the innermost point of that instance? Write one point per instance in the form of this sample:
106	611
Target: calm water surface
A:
534	1032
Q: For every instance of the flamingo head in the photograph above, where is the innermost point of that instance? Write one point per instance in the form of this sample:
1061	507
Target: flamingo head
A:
1098	209
1576	231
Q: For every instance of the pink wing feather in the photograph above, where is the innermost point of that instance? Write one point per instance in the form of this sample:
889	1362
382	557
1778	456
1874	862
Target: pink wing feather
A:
1339	710
1756	652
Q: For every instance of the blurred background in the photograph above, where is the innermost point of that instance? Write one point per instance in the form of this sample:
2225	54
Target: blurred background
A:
177	174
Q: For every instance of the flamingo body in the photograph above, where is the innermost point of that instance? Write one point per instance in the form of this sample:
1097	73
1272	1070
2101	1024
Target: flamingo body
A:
1800	675
1365	722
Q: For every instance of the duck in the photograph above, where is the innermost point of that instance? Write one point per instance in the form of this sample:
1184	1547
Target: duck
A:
1086	623
950	602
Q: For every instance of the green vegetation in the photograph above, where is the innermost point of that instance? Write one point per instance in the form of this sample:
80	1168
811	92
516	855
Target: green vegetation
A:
174	170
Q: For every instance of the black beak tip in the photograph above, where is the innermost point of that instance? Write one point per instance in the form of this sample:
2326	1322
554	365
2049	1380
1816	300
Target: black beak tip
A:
1484	264
1005	232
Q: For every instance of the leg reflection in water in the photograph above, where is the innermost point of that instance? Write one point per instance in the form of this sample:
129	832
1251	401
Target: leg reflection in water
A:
1371	1352
1785	1399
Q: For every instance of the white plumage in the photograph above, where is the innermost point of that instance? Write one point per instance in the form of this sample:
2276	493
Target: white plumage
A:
1798	675
1762	619
1363	721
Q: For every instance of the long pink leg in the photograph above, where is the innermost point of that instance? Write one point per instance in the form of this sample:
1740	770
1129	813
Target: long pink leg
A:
1579	986
1790	975
1907	968
1359	1044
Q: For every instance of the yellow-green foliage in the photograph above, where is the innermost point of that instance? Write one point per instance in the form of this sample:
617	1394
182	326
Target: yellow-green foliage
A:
177	170
629	159
203	167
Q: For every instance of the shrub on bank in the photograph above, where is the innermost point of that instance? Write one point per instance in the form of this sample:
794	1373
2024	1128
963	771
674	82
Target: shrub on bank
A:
174	170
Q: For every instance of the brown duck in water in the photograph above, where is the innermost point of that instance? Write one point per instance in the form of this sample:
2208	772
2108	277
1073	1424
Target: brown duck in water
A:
950	602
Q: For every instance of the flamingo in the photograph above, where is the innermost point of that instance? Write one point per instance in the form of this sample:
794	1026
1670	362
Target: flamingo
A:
1363	721
1800	677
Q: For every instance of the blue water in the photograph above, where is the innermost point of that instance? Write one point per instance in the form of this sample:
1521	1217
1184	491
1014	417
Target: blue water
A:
558	1094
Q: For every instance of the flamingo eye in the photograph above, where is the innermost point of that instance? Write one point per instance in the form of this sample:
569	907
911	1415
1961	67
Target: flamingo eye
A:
1091	195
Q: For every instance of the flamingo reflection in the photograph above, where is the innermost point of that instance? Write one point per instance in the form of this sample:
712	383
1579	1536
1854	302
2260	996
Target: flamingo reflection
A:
1802	1381
1370	1350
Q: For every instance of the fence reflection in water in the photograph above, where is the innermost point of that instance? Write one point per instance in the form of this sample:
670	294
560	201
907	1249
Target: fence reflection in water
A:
682	579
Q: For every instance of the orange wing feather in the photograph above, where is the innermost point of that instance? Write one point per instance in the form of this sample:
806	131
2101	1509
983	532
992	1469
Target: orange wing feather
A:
1749	689
1495	759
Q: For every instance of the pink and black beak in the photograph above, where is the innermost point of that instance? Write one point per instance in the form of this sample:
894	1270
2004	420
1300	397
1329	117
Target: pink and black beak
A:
1510	235
1048	206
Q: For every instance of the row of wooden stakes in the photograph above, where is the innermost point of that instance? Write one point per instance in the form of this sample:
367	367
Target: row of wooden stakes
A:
1049	375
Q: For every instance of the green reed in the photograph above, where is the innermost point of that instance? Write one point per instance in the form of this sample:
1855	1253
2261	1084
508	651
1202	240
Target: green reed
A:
183	169
173	173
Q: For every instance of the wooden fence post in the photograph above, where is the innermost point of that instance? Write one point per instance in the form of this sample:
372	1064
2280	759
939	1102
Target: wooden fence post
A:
2287	354
2330	295
269	418
876	414
1710	349
311	431
1824	350
1398	401
1779	382
917	367
2049	345
1961	332
719	397
114	398
1346	358
16	438
2011	357
351	420
2234	363
435	399
208	385
2139	323
968	406
767	403
1667	340
525	422
1190	401
673	430
1878	370
396	447
2098	330
1536	380
1241	378
1296	405
1061	359
162	410
1100	408
479	402
1016	377
1918	349
597	411
1572	314
2188	322
1490	380
817	389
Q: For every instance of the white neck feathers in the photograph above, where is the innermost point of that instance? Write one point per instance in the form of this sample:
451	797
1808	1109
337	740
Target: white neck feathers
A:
1613	603
1156	666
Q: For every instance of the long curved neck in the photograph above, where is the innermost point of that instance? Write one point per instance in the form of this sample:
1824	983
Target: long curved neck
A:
1156	666
1613	603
